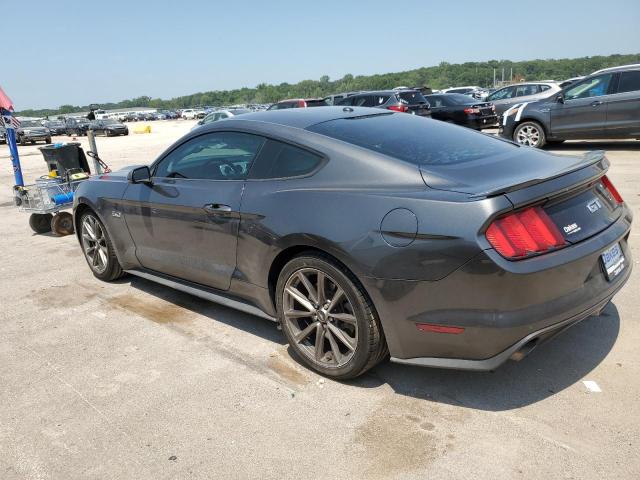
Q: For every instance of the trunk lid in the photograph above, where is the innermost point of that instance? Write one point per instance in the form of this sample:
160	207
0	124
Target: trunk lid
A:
506	172
569	189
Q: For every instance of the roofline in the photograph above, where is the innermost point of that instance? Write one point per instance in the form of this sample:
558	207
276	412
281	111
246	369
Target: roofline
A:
632	66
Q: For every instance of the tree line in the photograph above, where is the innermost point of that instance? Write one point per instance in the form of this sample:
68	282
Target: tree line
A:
437	77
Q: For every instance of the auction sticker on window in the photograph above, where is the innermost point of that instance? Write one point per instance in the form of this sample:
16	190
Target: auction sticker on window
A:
613	261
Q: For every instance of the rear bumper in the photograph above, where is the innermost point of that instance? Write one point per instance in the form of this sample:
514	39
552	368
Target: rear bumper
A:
483	122
501	305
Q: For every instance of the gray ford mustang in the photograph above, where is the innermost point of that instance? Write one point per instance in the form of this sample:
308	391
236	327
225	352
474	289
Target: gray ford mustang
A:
369	234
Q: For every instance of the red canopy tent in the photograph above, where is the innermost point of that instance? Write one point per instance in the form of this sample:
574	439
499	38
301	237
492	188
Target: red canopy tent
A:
5	102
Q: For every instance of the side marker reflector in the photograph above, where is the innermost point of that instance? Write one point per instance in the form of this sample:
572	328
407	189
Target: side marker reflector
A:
430	327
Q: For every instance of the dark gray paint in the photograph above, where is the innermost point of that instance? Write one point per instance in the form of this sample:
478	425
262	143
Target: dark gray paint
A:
447	275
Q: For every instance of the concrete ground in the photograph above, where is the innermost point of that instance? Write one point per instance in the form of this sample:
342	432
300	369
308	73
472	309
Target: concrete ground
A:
135	381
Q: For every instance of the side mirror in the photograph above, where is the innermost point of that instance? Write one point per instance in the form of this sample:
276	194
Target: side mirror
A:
560	98
140	175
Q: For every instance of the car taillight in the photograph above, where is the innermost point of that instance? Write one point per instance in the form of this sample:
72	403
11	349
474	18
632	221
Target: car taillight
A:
524	233
398	108
469	111
612	190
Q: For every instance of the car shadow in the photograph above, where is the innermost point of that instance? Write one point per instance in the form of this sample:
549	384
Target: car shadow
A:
549	369
611	145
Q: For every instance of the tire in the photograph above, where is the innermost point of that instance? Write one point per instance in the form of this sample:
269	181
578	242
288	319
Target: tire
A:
21	140
62	224
40	222
352	340
95	239
48	140
530	134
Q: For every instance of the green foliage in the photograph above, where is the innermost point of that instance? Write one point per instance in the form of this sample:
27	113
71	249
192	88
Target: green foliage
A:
442	76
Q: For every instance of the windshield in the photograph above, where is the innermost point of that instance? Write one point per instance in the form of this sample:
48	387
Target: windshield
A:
109	121
413	139
29	123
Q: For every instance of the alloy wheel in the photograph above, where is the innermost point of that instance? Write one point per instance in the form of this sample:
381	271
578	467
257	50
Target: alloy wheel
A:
528	135
320	317
94	244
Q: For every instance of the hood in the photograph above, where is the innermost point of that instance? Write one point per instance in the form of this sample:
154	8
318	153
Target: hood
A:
505	173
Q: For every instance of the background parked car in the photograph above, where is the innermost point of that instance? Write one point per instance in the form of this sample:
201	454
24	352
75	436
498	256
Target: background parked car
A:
408	101
221	115
522	92
189	113
76	126
335	99
56	127
32	131
472	91
462	110
109	127
3	135
299	103
605	104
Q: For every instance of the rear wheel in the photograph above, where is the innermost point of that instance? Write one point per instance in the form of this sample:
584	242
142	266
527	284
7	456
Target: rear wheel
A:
98	249
530	134
327	318
62	224
48	140
40	222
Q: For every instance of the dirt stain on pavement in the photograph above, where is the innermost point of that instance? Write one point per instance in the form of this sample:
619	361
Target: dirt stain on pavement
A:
403	435
287	371
154	310
61	296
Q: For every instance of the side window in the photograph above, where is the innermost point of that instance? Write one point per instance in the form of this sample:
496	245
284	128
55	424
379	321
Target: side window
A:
544	88
629	81
281	160
380	100
346	101
214	156
591	87
436	102
502	94
525	90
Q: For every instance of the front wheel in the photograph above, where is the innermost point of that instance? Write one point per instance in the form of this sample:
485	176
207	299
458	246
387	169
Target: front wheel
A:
327	317
98	249
530	134
48	140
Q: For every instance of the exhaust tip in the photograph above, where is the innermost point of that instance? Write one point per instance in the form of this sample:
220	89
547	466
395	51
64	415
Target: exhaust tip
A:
525	350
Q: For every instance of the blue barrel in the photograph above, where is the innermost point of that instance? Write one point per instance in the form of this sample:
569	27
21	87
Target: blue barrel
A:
62	198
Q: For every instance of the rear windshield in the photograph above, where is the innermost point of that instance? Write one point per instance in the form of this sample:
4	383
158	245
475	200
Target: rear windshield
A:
413	139
317	103
412	97
459	99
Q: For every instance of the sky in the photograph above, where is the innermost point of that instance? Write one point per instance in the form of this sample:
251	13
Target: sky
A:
62	52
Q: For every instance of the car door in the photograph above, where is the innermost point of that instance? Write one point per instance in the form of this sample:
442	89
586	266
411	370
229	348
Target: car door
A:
438	107
623	109
185	223
582	113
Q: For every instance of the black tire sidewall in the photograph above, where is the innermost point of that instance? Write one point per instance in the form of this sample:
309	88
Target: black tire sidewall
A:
40	222
363	317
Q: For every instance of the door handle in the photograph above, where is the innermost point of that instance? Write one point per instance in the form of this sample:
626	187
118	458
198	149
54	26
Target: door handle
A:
596	103
217	208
